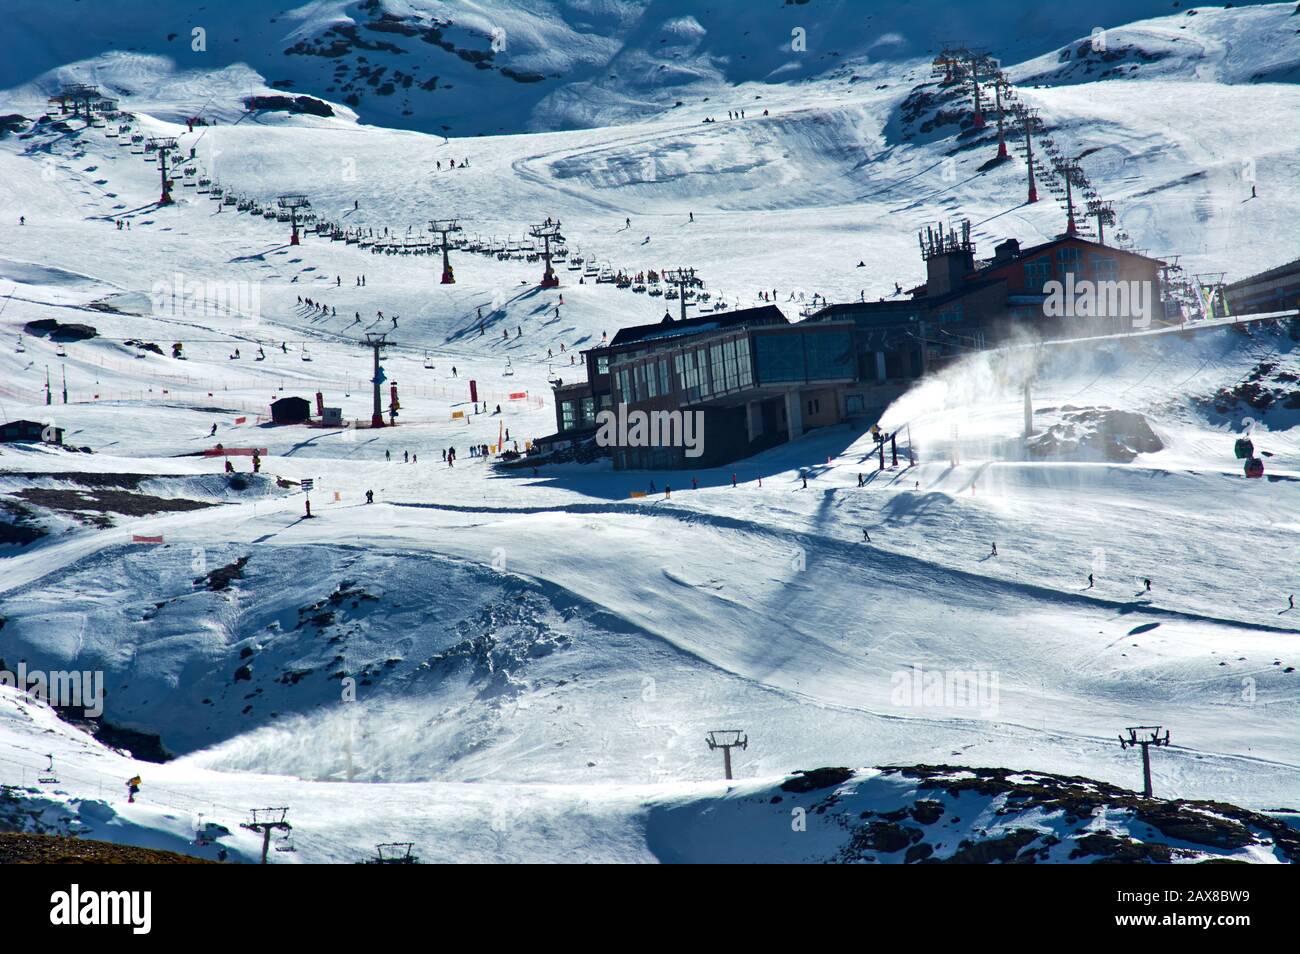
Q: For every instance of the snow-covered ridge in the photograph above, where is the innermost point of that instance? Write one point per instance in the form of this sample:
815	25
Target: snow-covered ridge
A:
509	65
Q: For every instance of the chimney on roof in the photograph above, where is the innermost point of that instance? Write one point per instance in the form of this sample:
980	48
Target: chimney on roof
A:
1004	252
667	319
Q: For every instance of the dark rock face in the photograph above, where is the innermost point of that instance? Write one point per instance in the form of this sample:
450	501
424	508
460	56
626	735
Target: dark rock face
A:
811	780
58	331
1095	433
289	104
1024	818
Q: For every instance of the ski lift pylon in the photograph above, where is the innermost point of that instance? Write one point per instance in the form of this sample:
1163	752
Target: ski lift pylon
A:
48	777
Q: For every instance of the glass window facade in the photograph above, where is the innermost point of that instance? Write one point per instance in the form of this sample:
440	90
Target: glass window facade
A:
1037	274
829	355
1068	258
744	368
805	356
780	358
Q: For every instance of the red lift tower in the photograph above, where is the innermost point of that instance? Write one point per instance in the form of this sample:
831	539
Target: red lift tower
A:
1069	170
945	62
293	204
444	227
999	85
163	145
547	232
977	65
1029	124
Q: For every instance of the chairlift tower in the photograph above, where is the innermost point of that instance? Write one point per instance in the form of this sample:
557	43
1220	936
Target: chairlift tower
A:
946	62
293	203
1029	124
547	231
265	821
394	853
1153	738
377	340
1104	213
999	84
81	95
1069	171
683	278
727	739
977	65
444	227
163	145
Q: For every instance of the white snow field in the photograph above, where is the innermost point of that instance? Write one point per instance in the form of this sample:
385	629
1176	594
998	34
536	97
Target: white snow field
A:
502	665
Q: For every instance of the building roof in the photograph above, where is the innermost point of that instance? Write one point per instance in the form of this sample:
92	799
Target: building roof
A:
1277	271
899	310
1061	240
672	328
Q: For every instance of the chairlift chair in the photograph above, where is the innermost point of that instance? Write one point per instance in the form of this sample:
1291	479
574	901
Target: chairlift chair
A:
48	777
306	356
428	361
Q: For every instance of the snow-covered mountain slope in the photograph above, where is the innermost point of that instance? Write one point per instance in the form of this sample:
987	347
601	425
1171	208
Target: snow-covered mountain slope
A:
506	65
541	636
897	815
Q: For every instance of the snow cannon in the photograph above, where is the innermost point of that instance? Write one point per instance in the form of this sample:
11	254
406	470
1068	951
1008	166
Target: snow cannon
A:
1254	467
1244	448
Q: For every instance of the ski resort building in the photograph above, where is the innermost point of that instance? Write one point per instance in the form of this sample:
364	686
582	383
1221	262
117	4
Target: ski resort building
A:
736	383
723	386
29	432
1277	289
1069	287
290	410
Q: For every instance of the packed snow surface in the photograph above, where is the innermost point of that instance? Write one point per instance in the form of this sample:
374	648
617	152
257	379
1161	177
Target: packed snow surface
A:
508	665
